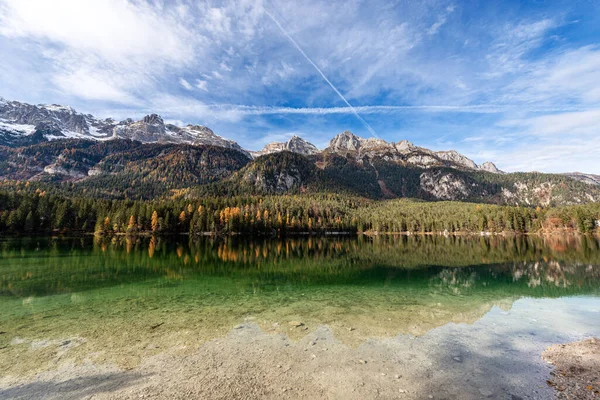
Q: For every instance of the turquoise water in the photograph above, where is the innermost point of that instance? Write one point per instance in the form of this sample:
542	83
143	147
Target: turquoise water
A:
122	295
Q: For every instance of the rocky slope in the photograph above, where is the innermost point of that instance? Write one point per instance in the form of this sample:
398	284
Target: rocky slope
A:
278	173
148	157
119	168
586	178
288	173
125	168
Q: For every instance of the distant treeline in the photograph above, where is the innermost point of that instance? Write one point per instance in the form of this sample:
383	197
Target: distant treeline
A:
30	212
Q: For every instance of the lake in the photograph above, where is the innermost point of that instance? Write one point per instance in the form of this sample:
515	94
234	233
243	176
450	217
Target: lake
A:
120	302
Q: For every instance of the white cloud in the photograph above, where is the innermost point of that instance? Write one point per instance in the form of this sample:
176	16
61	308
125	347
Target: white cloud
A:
573	75
277	73
474	109
513	43
225	67
553	156
202	85
91	85
185	84
113	29
435	28
218	20
582	123
104	50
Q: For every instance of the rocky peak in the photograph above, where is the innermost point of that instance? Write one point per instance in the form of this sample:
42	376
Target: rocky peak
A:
344	142
404	147
65	118
375	143
455	157
200	129
150	129
298	145
153	119
58	108
490	167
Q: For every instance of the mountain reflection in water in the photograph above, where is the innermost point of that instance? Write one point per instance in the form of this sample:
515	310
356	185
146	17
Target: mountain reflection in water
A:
115	292
527	266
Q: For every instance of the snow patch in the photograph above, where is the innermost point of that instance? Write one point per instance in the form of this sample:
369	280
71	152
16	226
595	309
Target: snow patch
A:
21	129
57	108
96	134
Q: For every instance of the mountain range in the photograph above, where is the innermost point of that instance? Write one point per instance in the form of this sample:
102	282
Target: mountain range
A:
53	144
23	124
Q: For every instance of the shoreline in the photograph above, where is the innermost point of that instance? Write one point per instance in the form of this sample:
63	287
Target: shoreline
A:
250	363
576	369
569	233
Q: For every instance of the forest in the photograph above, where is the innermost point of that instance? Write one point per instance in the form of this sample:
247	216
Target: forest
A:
31	210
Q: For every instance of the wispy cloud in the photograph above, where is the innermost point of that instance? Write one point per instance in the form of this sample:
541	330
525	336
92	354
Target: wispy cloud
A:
185	84
569	76
568	124
202	85
514	41
435	27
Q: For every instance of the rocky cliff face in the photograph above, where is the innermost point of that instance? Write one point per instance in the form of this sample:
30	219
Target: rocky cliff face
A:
277	173
150	129
456	158
490	167
298	145
590	179
295	145
348	144
444	186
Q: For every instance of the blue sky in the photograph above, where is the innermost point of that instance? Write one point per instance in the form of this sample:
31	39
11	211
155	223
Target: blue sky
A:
514	82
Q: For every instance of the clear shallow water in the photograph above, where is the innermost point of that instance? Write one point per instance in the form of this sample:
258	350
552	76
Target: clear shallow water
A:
124	299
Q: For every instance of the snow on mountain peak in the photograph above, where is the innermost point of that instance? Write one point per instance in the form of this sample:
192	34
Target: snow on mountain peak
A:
57	108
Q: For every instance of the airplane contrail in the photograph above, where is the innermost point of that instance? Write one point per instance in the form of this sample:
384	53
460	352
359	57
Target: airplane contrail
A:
291	39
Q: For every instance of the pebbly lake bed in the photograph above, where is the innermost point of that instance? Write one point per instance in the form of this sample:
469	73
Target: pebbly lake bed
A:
314	317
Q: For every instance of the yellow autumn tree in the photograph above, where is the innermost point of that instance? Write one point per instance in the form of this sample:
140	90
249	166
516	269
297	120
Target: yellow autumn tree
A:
151	246
131	223
154	221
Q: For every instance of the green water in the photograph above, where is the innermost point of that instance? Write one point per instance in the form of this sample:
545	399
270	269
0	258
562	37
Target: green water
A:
124	299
